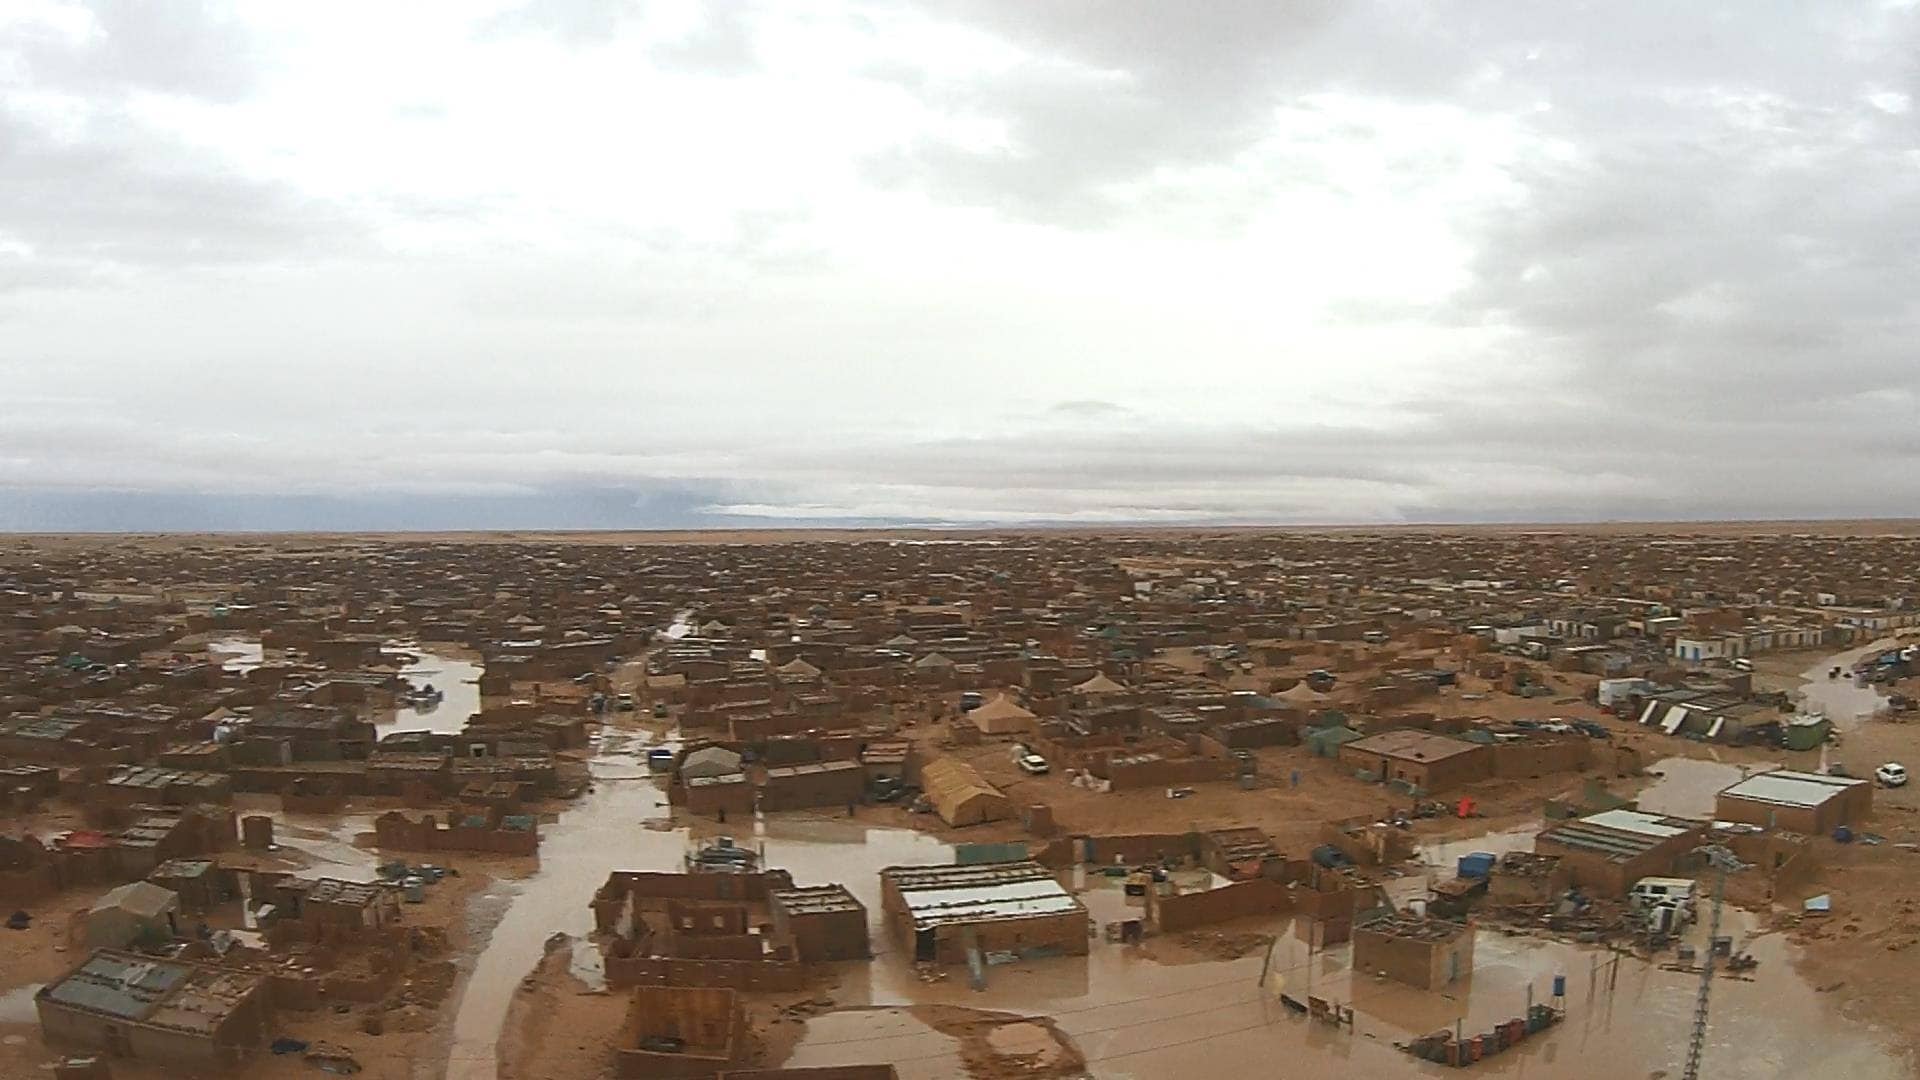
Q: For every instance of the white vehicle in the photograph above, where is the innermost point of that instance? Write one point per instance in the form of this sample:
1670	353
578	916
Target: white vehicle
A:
1892	774
1033	764
1651	891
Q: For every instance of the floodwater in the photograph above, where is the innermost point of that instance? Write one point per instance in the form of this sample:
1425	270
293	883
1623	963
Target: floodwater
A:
457	679
237	654
1135	1019
604	832
1843	700
16	1005
1687	785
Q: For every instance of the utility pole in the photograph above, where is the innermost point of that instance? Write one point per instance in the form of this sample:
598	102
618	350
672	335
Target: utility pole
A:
1723	863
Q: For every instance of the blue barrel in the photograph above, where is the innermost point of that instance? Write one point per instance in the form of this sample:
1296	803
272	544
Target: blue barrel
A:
1559	986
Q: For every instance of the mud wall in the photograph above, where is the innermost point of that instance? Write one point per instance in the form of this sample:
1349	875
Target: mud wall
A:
1240	900
1137	848
1521	761
747	975
816	1073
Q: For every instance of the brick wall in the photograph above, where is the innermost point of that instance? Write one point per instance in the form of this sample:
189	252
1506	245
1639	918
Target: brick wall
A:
1240	900
748	975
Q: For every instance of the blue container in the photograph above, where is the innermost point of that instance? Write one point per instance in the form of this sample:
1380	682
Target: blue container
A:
1559	986
1477	865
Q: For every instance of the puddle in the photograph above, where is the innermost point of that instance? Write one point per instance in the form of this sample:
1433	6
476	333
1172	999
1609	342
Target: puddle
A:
1687	786
237	654
1843	700
16	1005
457	679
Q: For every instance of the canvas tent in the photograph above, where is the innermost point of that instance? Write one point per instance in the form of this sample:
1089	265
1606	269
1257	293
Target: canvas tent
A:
130	912
1001	716
1302	694
1100	684
960	795
798	667
709	761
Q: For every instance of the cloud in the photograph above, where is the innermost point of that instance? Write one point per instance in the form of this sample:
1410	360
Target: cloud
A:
959	261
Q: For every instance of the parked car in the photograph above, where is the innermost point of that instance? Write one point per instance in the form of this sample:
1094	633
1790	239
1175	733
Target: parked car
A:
1892	774
1033	765
623	702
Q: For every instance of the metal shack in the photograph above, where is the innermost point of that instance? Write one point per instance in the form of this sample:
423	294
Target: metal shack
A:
942	913
162	1011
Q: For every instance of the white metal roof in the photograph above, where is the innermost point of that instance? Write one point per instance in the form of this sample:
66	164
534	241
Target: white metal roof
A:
1633	821
1791	788
1015	900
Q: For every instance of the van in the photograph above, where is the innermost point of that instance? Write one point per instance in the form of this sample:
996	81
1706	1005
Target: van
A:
1650	891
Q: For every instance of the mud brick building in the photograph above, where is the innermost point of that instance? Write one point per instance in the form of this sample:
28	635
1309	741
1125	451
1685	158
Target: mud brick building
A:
939	912
825	783
1606	853
1796	801
1427	953
163	1012
1419	759
824	922
673	1031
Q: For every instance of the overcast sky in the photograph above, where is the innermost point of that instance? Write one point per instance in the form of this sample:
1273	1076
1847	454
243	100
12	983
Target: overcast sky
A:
583	263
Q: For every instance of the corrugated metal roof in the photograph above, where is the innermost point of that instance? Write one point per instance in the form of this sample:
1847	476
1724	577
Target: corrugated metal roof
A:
118	986
1791	788
1633	821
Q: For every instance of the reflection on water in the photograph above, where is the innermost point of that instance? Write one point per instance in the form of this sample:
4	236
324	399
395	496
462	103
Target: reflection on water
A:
1135	1017
1687	786
457	679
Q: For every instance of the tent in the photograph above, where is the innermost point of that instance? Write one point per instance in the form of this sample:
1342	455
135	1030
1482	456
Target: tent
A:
1001	716
799	667
960	795
132	911
1100	684
709	761
1302	694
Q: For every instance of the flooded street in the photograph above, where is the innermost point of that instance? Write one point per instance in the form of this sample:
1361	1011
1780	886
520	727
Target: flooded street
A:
1135	1017
1138	1019
457	679
1843	700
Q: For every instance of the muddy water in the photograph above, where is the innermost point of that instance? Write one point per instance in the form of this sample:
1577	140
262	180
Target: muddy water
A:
237	654
1134	1018
1687	786
1842	700
16	1005
459	680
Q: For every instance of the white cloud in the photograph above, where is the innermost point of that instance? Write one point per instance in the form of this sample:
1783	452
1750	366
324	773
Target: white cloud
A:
967	261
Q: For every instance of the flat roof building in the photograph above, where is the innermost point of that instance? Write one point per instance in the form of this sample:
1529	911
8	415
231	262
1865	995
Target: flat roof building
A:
1796	801
824	922
1016	907
1427	953
1419	759
162	1011
1606	853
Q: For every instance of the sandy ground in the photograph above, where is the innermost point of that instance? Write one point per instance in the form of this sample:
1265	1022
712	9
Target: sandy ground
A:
19	542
